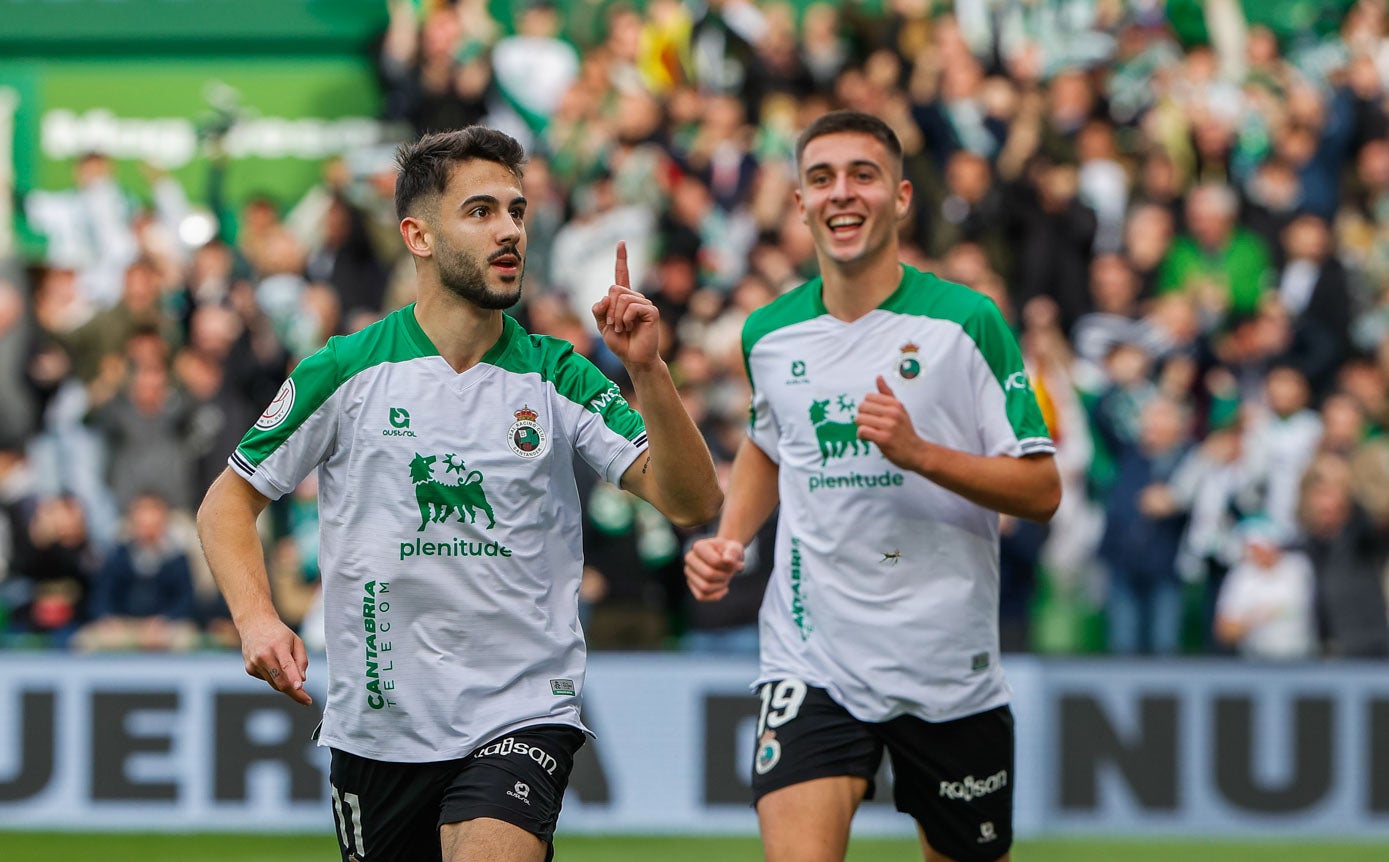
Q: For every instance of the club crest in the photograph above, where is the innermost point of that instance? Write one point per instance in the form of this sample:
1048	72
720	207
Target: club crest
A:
908	362
526	438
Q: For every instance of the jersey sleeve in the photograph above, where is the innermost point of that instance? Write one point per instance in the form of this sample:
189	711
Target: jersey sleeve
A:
1009	420
608	433
296	432
763	430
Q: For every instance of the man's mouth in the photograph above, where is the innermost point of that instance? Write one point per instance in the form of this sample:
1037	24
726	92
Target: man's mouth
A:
844	226
506	260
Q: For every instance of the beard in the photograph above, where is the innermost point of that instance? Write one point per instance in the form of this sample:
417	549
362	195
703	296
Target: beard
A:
462	275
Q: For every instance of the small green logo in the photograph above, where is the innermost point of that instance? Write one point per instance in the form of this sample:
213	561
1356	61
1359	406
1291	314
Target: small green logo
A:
798	368
400	417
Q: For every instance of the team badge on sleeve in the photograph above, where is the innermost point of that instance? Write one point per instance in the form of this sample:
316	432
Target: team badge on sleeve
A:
908	363
526	438
279	408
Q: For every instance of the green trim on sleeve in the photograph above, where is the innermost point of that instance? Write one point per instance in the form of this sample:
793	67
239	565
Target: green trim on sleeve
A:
976	314
573	375
396	338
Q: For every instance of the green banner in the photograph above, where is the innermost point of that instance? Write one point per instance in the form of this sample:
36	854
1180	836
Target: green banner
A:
49	28
276	120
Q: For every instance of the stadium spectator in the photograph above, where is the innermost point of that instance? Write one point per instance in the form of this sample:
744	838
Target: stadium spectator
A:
1313	288
1349	550
1224	266
148	430
1265	605
142	596
1283	438
1143	532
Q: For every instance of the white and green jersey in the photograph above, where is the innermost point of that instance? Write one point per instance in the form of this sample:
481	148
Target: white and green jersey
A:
451	542
885	587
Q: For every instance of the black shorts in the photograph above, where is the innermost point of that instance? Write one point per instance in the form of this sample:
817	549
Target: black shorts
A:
391	812
954	777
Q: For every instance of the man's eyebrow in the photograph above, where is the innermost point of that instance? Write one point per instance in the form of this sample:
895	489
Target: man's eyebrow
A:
473	200
856	163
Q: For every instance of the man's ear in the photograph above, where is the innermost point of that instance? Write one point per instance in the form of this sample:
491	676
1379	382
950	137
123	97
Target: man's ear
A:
800	206
419	239
904	198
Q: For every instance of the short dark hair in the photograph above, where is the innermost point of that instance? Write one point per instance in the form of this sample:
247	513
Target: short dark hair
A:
851	121
424	166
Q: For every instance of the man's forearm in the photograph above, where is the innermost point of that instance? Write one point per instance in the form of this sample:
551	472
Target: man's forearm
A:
1027	487
752	494
683	469
227	529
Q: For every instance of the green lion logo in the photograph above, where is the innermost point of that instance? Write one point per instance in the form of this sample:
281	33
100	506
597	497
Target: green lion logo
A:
437	500
835	438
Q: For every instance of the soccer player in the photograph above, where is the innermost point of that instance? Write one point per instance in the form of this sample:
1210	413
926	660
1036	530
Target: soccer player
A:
444	437
892	420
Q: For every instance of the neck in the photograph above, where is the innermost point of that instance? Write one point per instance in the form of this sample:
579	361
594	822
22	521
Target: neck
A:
461	331
854	289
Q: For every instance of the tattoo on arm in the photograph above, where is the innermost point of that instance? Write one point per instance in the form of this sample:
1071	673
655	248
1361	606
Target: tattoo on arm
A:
645	465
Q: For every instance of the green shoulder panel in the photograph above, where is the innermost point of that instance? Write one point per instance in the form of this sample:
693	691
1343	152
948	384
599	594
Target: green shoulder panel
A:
927	295
573	375
795	306
396	338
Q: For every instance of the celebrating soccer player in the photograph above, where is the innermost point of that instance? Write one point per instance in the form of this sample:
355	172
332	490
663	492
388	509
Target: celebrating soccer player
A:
893	420
444	437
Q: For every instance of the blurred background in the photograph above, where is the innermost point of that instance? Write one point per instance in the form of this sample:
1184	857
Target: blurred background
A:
1182	207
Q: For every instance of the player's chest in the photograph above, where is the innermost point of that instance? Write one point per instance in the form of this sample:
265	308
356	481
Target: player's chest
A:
431	430
816	384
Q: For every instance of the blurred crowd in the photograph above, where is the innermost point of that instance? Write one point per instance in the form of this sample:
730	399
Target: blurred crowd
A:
1183	212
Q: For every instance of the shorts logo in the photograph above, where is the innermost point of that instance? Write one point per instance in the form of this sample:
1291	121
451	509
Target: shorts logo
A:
278	411
522	791
768	753
510	746
526	438
986	832
908	363
970	788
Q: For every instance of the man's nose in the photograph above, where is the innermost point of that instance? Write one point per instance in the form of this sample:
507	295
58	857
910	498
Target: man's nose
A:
841	190
509	232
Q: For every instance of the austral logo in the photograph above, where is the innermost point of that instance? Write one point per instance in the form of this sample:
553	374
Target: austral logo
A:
908	362
798	373
400	424
526	438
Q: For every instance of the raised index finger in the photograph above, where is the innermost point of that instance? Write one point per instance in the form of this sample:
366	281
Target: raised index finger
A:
620	276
